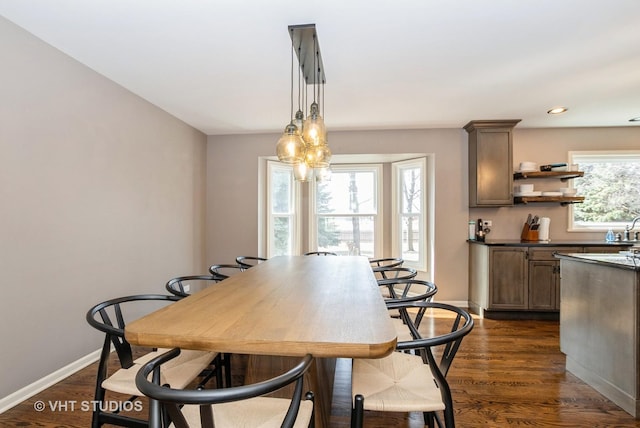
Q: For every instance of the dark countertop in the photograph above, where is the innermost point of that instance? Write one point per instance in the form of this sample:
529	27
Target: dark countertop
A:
621	261
519	243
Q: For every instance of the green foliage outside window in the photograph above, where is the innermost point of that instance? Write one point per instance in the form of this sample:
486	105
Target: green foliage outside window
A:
611	191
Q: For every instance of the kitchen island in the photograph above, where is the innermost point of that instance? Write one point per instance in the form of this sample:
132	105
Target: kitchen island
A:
599	323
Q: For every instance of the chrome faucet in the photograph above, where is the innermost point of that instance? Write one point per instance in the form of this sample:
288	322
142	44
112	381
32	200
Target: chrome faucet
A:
627	230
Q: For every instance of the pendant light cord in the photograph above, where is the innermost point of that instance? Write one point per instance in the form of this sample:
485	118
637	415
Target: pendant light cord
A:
315	55
291	109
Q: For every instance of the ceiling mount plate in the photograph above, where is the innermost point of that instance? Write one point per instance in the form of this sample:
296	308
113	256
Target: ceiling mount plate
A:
302	37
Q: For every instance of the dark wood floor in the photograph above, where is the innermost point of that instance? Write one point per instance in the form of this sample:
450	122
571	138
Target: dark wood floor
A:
507	373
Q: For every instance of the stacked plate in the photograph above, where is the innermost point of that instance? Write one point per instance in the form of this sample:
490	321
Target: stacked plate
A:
528	167
525	190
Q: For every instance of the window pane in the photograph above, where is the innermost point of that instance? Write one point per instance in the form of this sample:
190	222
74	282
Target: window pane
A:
410	232
351	192
280	191
411	191
609	187
346	235
411	238
281	238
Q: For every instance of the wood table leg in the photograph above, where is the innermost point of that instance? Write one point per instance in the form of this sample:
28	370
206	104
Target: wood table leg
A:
319	379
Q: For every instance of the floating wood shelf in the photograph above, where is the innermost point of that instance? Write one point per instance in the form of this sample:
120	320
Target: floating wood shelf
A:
562	175
563	200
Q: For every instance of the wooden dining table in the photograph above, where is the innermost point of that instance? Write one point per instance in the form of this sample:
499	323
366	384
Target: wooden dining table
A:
278	311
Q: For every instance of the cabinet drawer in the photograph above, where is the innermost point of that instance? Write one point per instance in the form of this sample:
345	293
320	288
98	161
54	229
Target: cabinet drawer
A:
546	253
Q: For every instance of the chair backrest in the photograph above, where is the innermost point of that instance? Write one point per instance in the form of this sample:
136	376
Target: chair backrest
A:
461	324
320	253
386	262
409	290
184	286
224	271
109	317
174	399
247	262
392	273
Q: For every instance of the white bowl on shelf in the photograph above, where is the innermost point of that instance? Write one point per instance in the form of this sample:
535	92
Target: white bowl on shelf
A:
525	188
528	167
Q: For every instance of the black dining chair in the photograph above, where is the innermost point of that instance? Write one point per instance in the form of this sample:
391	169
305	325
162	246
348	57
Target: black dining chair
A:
405	291
184	286
247	262
386	275
413	381
238	406
224	271
387	262
320	253
119	378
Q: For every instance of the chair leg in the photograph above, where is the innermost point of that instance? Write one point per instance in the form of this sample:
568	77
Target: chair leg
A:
357	413
309	396
226	358
429	418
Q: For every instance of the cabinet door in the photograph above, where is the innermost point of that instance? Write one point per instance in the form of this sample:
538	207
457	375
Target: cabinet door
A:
490	163
543	285
508	278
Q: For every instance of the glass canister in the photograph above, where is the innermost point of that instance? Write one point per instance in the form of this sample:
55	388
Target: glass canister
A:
472	230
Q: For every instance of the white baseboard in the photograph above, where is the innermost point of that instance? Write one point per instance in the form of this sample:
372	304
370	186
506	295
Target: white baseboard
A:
29	391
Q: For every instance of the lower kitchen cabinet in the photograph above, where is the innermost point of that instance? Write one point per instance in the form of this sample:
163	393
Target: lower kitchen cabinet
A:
544	277
518	281
508	278
543	285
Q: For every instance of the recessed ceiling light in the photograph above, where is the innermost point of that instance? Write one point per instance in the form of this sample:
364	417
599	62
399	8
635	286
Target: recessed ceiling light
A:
635	119
557	110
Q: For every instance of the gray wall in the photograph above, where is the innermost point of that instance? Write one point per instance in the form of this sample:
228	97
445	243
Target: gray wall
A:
102	195
232	193
232	188
545	146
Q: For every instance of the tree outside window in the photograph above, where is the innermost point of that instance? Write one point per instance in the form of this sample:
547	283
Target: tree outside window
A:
610	189
346	210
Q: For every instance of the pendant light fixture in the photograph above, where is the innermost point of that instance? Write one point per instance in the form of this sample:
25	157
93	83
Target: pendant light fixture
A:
291	147
311	129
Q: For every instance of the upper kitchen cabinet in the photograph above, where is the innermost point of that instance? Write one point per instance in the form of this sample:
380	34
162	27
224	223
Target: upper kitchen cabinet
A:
490	162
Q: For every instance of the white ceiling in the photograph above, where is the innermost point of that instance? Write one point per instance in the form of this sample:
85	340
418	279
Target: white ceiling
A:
223	66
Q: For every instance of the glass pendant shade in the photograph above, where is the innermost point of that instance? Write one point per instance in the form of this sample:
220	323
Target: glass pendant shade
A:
291	148
323	174
298	121
319	156
314	132
302	172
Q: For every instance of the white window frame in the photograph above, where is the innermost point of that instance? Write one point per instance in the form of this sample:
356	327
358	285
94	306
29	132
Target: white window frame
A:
397	215
378	216
612	155
294	214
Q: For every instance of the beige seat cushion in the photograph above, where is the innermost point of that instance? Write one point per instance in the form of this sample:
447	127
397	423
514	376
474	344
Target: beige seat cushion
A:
259	412
397	383
178	372
402	330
